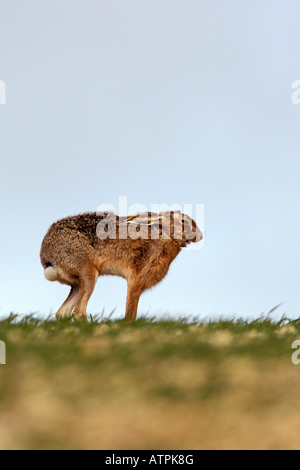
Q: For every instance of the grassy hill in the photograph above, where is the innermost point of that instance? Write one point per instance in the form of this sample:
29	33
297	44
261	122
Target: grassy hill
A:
149	385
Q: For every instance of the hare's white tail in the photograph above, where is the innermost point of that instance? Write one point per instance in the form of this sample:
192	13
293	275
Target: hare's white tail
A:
51	273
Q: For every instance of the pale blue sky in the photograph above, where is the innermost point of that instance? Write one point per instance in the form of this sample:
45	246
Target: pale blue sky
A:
165	102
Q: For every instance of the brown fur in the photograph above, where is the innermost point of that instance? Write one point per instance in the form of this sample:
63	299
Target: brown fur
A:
76	251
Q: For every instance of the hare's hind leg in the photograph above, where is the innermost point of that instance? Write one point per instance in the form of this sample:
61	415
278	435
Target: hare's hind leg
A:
69	304
87	284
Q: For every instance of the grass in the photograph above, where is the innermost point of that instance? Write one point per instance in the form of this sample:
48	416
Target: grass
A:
150	384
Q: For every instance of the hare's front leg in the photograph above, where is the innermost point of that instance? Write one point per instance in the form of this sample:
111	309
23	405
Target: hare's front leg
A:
133	296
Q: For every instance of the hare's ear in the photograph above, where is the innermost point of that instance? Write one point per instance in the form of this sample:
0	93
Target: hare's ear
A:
190	229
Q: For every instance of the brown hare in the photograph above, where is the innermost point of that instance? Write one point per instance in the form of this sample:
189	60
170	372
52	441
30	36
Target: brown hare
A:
78	249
